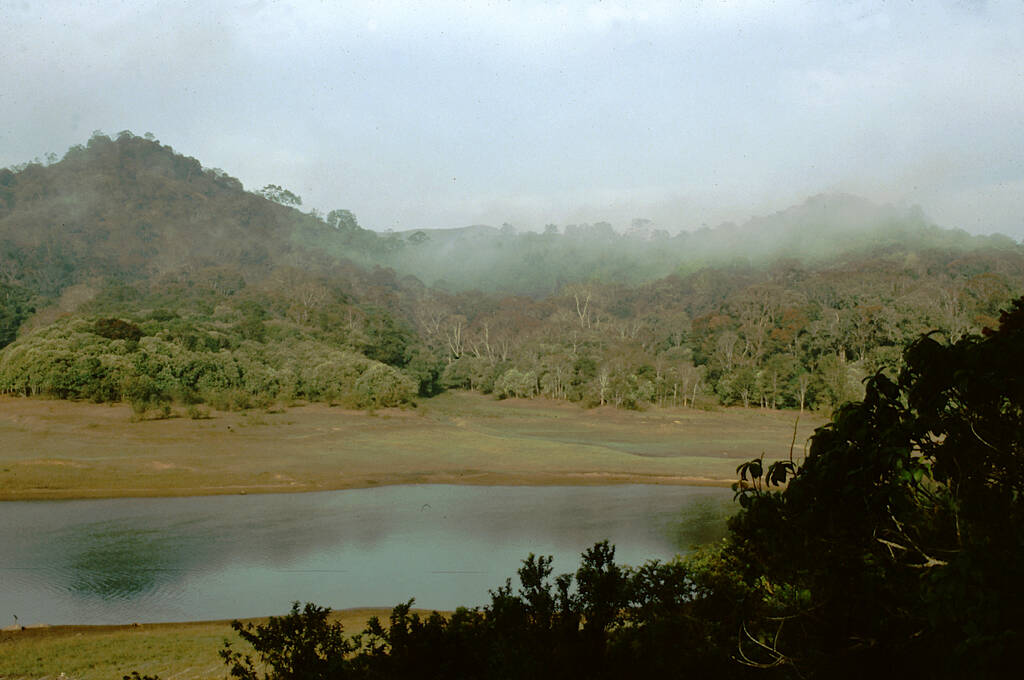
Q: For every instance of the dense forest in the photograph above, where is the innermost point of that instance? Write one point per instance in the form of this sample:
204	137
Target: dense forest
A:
129	272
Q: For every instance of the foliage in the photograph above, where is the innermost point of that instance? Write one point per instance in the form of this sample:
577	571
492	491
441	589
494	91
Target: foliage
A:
15	307
897	545
895	550
604	621
192	360
302	645
117	329
788	311
278	194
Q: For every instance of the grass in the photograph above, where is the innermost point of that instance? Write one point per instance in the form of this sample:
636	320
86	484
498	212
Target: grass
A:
174	651
57	449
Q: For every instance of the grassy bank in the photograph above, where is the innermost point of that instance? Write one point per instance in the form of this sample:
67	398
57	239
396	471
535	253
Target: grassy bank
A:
174	651
59	449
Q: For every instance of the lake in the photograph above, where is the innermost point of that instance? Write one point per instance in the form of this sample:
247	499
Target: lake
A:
176	559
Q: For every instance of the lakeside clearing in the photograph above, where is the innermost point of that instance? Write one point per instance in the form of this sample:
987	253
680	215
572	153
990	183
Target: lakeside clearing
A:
173	651
51	449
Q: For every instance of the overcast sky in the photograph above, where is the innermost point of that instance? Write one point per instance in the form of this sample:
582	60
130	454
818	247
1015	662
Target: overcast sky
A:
430	114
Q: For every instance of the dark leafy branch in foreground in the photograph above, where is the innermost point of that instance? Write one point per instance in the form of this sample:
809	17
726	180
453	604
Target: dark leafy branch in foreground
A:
898	545
603	621
894	550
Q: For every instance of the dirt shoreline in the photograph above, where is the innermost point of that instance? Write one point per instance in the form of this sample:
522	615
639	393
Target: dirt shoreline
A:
568	479
346	616
187	650
56	450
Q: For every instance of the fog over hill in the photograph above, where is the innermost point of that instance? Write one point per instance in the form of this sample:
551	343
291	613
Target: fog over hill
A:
136	208
822	228
133	207
129	271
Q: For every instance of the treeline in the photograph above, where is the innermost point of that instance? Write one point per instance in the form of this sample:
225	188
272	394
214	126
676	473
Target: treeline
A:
780	336
539	264
208	337
894	550
128	229
229	362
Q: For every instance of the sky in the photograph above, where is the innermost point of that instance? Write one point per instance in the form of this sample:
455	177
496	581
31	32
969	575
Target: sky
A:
443	114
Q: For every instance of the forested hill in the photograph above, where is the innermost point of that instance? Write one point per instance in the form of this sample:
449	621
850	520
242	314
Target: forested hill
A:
135	209
822	229
128	271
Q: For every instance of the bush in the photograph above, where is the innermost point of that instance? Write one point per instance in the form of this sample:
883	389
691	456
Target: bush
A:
302	645
382	386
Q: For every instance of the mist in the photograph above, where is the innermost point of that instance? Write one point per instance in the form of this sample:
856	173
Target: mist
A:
439	115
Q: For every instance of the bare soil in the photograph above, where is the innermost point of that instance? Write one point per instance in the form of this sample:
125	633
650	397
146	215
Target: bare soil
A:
51	449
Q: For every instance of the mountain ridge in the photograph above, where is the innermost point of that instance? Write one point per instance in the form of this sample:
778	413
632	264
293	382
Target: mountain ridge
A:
134	207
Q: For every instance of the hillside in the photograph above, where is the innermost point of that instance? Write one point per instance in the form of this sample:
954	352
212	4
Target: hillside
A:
134	209
821	230
130	272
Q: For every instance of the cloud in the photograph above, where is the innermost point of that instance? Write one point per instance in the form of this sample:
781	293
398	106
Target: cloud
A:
548	111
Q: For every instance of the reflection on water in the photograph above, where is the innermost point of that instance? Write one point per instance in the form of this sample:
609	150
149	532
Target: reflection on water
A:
119	563
114	561
701	521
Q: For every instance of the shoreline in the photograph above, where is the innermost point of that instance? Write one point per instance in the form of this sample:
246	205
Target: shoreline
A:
346	616
188	650
567	479
63	450
56	450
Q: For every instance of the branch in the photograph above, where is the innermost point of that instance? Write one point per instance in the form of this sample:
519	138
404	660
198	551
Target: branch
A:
929	560
975	432
778	658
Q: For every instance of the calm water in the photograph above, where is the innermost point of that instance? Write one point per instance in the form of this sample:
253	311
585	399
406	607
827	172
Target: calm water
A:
174	559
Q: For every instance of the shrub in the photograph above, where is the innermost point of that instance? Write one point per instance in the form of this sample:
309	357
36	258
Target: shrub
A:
381	386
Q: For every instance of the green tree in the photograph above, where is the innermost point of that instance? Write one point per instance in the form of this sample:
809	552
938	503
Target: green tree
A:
898	545
14	309
278	194
301	645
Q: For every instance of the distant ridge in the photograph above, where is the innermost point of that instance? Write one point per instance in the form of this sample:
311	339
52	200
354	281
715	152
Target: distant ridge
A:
132	207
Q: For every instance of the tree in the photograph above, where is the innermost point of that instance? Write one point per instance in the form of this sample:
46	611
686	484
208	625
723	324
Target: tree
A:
898	545
280	195
14	309
344	220
302	645
418	238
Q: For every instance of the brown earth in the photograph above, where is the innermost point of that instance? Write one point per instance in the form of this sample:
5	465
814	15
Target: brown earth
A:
53	449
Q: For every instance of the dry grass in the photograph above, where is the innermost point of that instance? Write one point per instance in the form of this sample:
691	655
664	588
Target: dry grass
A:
60	449
174	651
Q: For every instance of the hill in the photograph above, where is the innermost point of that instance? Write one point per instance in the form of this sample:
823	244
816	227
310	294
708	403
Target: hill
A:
131	272
823	229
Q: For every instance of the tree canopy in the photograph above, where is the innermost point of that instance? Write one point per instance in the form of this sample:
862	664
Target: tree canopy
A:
899	543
